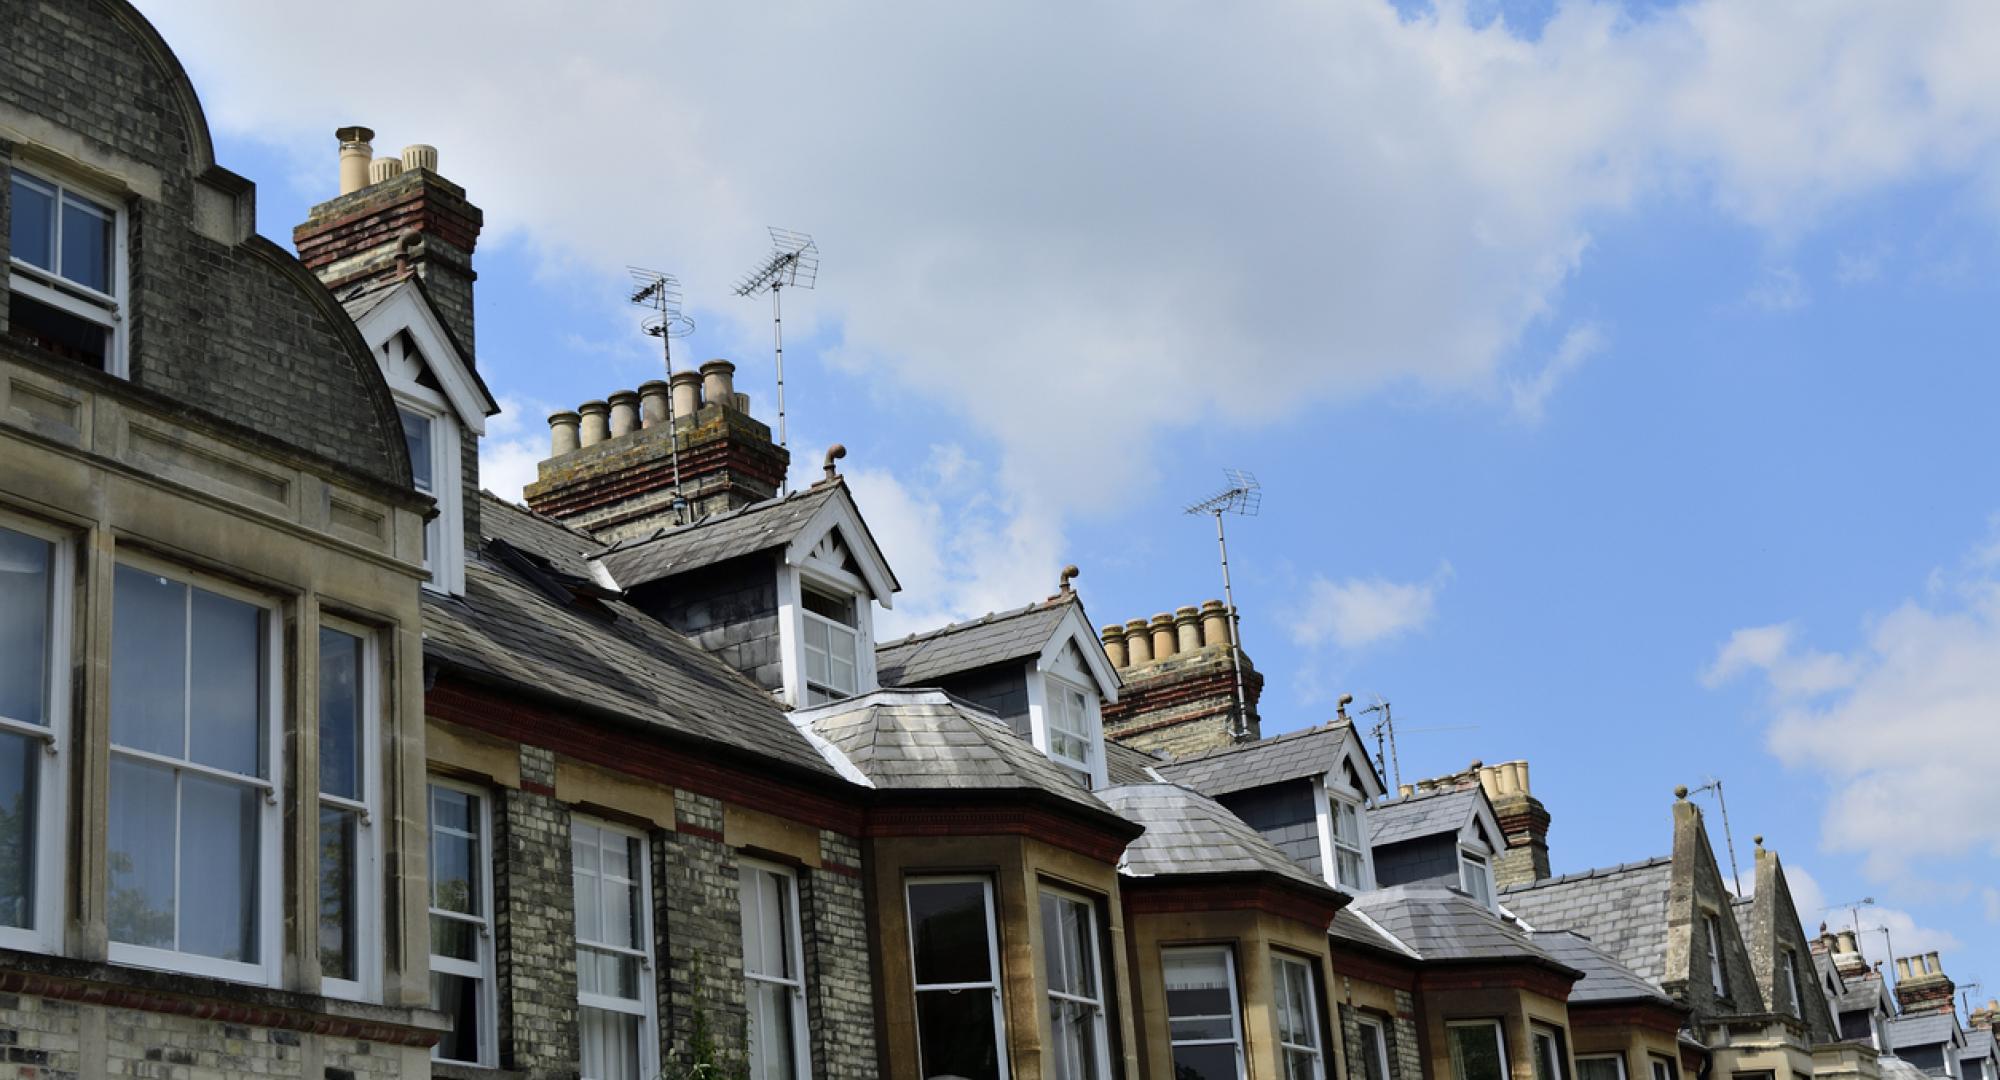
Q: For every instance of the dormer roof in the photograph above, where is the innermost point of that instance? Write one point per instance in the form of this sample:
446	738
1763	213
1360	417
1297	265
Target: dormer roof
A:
793	525
1463	812
1035	632
1296	755
380	310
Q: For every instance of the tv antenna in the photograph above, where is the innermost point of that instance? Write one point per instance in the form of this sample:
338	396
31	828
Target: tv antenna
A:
1853	909
793	263
1381	729
1243	496
1714	784
662	293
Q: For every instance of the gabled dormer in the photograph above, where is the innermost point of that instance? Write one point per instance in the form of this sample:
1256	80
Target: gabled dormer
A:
443	405
782	590
1442	833
1038	667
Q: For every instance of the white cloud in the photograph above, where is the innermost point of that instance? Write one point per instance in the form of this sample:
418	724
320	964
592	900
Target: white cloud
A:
1780	289
1530	396
1896	726
1904	931
1357	612
1855	268
515	442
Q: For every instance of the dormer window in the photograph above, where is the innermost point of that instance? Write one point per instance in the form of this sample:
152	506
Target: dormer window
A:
67	286
1794	1004
1713	930
832	645
431	434
1475	876
1350	857
1066	712
1069	725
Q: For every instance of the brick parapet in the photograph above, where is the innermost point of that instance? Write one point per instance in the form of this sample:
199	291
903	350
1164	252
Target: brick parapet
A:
535	924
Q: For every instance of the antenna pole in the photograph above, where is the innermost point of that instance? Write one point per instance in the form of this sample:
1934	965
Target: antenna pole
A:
1241	731
673	429
1728	838
1395	756
778	337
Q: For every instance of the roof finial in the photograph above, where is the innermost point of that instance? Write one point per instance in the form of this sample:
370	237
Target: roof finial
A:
834	453
1063	580
1759	841
1681	792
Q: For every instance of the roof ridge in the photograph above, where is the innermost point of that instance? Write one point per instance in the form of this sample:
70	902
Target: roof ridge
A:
961	625
1586	875
706	520
1237	748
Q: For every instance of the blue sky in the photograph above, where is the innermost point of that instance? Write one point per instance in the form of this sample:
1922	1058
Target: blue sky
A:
1620	378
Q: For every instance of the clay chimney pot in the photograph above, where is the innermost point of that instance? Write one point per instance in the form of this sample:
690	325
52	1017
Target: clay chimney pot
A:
355	154
652	403
718	382
686	393
562	433
1214	623
1138	642
1163	636
624	413
596	422
1113	637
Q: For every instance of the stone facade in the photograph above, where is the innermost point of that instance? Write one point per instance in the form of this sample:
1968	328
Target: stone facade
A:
839	972
534	920
1697	892
1406	1059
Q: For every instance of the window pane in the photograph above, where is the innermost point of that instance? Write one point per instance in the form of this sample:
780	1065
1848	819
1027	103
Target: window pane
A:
149	663
1475	1053
1199	997
773	1052
1371	1053
1545	1057
620	914
339	855
339	714
767	923
24	627
20	768
86	245
417	437
1295	1019
227	683
1346	824
610	1045
1348	867
949	932
454	857
457	998
1598	1068
141	854
454	938
1213	1061
219	869
32	237
607	974
956	1036
1076	1032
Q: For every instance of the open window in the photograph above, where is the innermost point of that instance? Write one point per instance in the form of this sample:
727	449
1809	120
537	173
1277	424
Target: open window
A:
349	793
1204	1016
34	724
830	630
67	286
955	963
1072	955
462	977
1350	849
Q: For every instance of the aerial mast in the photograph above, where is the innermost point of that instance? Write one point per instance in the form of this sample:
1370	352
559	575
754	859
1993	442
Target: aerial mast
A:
1243	496
793	263
662	293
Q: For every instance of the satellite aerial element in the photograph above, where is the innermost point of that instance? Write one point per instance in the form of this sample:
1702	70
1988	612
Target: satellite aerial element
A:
662	293
793	263
1243	496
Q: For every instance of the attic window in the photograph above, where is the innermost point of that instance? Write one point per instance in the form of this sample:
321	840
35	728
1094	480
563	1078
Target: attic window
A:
1794	1002
1350	858
1713	929
832	645
1476	877
67	252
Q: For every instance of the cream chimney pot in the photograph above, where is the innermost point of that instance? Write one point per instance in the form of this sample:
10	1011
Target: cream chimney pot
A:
596	422
420	156
562	433
1214	623
1113	637
652	403
718	382
1138	642
1187	629
384	169
1163	636
624	413
355	153
686	393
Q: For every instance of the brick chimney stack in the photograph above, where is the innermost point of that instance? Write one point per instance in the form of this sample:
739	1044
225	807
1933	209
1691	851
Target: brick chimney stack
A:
1986	1016
1523	820
1180	686
395	216
1921	985
1847	958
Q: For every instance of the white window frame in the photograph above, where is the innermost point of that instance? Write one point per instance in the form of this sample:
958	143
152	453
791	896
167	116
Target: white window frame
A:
1094	1002
1279	962
1718	980
645	1007
1557	1045
992	960
482	969
1228	953
801	1031
45	932
108	310
1330	797
1788	969
368	856
793	583
1365	1022
1617	1060
1045	690
1469	858
1499	1040
445	533
1660	1067
271	945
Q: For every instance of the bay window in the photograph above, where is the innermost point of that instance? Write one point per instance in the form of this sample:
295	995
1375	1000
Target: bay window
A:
1297	1014
67	287
1551	1056
1350	858
831	645
462	985
348	791
1601	1067
1374	1049
774	968
34	683
1478	1050
1079	1044
1204	1023
614	951
955	963
193	836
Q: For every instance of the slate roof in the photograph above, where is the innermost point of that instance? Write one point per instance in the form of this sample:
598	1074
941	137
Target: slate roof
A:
1604	978
1126	765
1445	924
1352	927
1189	833
1895	1068
366	296
922	659
746	530
1314	751
1621	909
1864	992
1921	1029
1978	1043
595	650
929	740
1418	816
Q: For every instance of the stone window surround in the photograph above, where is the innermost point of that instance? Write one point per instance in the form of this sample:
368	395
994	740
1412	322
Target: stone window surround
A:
1316	1017
489	1043
38	282
268	969
1227	950
997	977
367	986
1095	945
45	934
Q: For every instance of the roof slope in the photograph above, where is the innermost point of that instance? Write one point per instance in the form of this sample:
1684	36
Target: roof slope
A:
1189	833
1921	1029
602	654
1418	816
920	659
1445	924
1604	978
1351	926
1127	765
928	740
1978	1043
744	531
1621	909
1315	751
